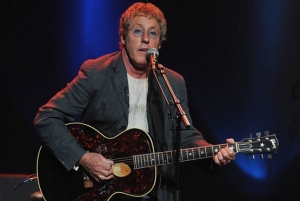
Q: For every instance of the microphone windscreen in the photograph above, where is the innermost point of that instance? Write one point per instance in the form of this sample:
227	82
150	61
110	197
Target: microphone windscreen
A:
152	51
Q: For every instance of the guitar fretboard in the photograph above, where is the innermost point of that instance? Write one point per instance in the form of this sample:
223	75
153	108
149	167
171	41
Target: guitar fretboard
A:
169	157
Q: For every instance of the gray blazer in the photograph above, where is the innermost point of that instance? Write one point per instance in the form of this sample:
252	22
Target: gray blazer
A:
99	96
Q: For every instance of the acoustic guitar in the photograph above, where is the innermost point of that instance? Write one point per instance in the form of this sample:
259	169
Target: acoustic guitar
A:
135	163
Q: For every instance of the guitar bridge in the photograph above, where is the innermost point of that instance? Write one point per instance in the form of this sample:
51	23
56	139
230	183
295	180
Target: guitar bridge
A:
87	183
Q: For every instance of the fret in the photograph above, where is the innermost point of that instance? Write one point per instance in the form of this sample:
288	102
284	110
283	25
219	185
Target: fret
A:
189	154
142	161
182	156
159	159
146	160
192	153
153	162
134	162
171	159
186	155
138	161
233	147
208	152
163	158
216	149
238	147
202	152
167	157
196	153
199	153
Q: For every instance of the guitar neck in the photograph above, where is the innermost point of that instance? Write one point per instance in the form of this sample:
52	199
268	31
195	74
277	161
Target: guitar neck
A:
169	157
249	146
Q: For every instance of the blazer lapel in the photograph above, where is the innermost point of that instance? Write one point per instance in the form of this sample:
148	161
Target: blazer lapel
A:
121	84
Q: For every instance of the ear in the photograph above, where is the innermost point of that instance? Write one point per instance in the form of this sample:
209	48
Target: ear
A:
122	40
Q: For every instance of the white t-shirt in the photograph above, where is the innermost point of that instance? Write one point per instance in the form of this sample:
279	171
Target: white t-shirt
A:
138	89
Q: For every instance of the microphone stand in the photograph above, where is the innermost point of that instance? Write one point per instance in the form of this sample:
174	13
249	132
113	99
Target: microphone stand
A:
180	116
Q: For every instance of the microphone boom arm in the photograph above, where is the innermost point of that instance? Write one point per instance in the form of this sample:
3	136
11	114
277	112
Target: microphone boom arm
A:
176	101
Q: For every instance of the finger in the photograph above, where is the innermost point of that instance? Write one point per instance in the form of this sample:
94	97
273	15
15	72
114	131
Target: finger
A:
221	157
102	177
220	161
218	158
224	156
106	160
230	140
230	152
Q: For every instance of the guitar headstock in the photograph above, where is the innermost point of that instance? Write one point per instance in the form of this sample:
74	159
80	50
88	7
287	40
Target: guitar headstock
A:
259	145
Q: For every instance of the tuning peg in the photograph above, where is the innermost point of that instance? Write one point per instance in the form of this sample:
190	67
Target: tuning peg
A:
258	134
267	133
261	156
250	140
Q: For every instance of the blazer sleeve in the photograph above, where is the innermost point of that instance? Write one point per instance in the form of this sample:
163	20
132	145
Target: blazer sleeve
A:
62	108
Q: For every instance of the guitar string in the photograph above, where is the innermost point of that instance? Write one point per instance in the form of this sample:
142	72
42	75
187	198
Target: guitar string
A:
146	160
167	157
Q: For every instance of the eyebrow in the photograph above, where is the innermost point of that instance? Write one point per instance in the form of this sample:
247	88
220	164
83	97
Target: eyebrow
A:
141	25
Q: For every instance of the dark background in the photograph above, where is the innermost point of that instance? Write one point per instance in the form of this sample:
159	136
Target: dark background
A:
240	60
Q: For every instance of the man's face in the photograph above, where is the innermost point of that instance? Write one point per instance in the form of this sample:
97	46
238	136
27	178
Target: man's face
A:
143	34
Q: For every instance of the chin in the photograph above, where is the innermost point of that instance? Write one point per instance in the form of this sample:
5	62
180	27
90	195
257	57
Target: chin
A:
142	64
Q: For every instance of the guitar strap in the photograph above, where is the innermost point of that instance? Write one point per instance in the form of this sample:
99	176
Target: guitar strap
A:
155	113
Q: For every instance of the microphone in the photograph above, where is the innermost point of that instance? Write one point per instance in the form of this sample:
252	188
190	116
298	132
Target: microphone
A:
152	55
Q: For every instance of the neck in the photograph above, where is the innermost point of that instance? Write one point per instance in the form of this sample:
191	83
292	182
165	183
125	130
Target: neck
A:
132	70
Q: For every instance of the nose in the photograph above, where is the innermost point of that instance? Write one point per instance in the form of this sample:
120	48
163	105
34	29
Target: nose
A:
145	37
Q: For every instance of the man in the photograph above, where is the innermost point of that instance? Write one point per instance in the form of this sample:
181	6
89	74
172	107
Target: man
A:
117	92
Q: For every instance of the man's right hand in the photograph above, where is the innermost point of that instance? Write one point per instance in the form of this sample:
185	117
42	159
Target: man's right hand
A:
97	166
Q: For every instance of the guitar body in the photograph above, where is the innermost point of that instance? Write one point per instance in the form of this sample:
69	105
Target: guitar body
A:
56	183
